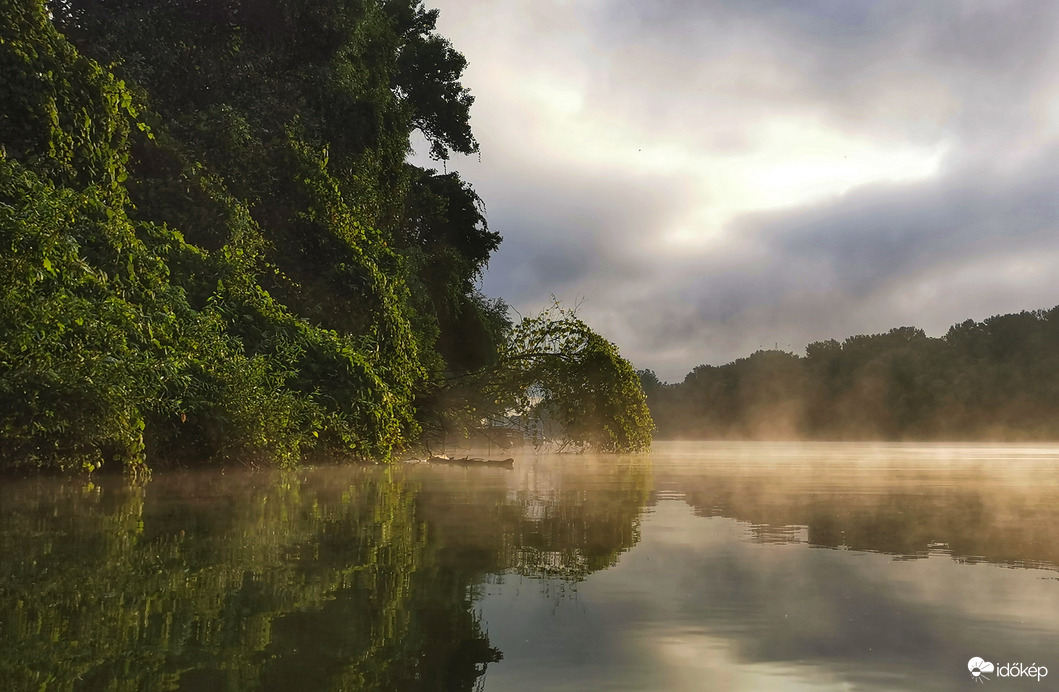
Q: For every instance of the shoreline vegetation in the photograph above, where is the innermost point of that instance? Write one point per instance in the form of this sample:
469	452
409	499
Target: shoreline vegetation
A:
214	249
996	380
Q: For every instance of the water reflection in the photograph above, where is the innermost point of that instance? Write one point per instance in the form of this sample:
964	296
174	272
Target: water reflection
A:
729	589
563	516
975	502
699	567
327	579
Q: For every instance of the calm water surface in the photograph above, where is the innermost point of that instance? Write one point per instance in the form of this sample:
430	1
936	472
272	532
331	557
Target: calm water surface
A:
713	566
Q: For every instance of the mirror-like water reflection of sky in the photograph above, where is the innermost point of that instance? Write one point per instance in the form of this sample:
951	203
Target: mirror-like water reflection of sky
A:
719	566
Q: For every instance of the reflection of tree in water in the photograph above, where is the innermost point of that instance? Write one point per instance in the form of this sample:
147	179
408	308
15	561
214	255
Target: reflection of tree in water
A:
253	582
574	519
338	579
905	514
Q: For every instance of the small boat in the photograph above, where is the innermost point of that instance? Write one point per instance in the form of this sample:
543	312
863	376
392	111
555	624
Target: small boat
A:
473	461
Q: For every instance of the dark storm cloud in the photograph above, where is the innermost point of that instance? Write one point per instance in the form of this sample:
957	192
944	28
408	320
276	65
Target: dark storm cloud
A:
716	177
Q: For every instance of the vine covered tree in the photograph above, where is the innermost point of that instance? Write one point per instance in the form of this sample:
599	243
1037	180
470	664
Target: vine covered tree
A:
211	243
557	381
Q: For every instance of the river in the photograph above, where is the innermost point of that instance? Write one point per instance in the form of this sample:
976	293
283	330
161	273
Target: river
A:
699	566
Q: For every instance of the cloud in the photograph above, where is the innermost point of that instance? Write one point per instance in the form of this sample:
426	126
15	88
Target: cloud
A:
879	234
711	178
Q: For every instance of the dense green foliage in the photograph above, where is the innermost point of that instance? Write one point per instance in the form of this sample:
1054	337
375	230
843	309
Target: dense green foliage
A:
995	379
212	246
553	381
570	383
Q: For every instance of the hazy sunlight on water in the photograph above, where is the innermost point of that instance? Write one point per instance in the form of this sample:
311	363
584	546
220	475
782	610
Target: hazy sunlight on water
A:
702	566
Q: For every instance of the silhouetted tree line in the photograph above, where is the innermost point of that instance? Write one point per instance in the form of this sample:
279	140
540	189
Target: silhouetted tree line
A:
995	379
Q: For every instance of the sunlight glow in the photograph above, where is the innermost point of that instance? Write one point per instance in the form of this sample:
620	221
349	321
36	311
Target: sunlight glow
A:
794	161
693	657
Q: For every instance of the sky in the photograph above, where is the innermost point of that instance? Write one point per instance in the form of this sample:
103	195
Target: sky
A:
705	179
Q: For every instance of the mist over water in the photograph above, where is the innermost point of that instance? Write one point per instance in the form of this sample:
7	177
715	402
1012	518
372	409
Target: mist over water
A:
994	380
730	566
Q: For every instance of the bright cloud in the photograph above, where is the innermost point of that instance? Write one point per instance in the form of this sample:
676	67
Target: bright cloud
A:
711	178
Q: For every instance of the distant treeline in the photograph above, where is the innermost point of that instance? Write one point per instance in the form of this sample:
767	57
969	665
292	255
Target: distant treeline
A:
995	379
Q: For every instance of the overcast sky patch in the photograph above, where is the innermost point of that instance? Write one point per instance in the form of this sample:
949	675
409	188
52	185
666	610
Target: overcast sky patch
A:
712	178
